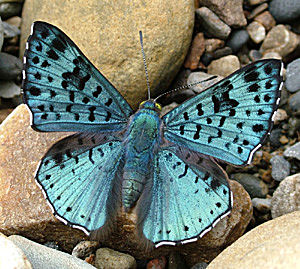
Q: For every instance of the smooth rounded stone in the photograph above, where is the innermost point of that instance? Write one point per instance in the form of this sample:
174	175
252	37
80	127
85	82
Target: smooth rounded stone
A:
292	82
280	167
195	52
272	55
293	151
285	11
10	67
11	256
286	197
47	258
254	186
110	259
256	2
237	39
212	24
200	265
293	126
158	263
1	34
256	32
231	12
207	58
222	52
175	261
15	21
10	31
8	10
212	44
280	115
8	89
279	39
224	66
255	55
262	205
195	77
273	244
85	248
30	214
259	9
108	34
266	19
294	102
275	137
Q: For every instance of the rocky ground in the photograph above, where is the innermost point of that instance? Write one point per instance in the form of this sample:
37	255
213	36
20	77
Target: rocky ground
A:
216	38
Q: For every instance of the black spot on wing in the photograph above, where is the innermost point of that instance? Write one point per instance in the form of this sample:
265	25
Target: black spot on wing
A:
52	55
257	128
253	76
185	171
196	135
34	91
58	44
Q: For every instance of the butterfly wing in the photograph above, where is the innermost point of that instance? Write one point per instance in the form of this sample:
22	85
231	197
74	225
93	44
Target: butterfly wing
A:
187	196
231	119
80	177
63	89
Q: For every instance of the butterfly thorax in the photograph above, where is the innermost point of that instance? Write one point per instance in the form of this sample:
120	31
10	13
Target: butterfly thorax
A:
141	141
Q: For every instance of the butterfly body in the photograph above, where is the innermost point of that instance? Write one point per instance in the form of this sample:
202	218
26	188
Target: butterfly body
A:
164	165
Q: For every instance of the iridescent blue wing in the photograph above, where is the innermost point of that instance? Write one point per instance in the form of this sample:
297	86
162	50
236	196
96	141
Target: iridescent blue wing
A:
79	176
231	119
187	196
63	89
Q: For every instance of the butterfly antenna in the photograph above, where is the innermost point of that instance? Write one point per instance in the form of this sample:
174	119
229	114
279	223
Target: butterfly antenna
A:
145	64
185	86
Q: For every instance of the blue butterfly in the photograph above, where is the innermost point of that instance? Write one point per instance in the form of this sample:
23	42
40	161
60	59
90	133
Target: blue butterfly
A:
165	166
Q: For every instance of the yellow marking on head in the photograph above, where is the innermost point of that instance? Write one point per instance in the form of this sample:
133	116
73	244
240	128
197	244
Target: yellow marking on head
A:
158	106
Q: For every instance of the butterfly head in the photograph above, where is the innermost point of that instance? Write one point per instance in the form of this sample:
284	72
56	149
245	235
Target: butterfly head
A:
150	104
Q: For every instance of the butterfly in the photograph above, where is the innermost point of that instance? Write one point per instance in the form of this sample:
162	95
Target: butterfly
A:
164	166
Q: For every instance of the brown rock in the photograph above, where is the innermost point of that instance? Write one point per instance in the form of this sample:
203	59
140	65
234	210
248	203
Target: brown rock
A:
231	12
266	19
213	43
158	263
257	11
24	210
224	66
108	33
195	52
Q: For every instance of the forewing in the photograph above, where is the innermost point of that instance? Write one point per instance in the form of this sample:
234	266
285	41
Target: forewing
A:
231	119
80	177
183	201
63	89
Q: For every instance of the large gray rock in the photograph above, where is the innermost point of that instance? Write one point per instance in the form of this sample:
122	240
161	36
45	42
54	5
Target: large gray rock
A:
293	151
285	10
292	82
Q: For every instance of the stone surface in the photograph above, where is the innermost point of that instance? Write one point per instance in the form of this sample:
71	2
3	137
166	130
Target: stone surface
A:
10	31
272	55
108	34
219	53
158	263
231	12
237	39
293	151
85	248
47	258
286	197
274	244
15	21
256	2
224	66
259	9
8	10
212	44
8	89
285	11
195	52
23	208
11	256
175	261
201	76
294	102
279	39
254	186
292	82
10	66
256	32
1	34
280	115
110	259
262	205
280	167
211	23
266	19
200	265
254	55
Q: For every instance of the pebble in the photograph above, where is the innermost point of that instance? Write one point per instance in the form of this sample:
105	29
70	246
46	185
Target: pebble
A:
285	10
200	265
207	58
254	186
222	52
256	2
8	10
286	197
256	32
280	115
1	34
158	263
272	55
292	82
212	44
280	167
10	31
266	19
293	151
212	24
262	205
201	76
47	258
231	12
108	258
10	67
15	21
255	55
293	126
259	9
279	39
224	66
237	39
176	261
84	248
275	138
195	52
8	89
284	140
294	102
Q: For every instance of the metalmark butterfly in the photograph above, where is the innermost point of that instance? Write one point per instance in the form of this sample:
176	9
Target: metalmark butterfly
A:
165	166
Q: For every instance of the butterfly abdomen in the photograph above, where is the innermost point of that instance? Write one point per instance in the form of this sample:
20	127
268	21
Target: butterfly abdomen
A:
141	141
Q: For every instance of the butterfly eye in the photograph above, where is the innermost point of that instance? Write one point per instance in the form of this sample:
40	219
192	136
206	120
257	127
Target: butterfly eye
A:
158	106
